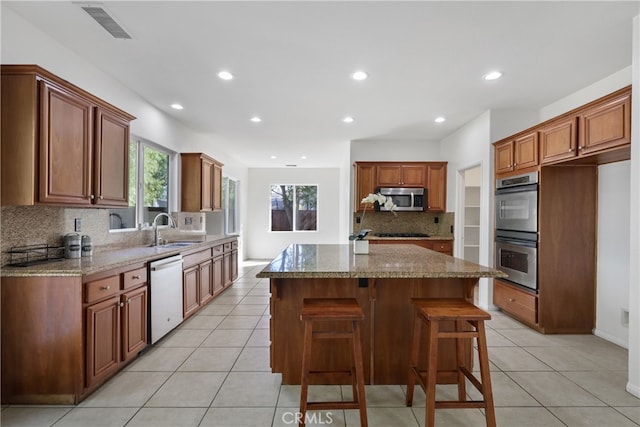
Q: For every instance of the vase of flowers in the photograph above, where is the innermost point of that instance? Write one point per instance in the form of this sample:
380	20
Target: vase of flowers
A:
360	245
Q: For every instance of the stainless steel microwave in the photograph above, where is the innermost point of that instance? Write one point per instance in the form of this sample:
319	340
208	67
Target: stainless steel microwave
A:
405	199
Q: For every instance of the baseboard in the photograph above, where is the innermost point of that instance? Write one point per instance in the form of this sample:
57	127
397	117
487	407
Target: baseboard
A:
634	389
611	338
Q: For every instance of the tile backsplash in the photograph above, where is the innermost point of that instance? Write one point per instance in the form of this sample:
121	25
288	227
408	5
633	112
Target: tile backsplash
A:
405	222
30	225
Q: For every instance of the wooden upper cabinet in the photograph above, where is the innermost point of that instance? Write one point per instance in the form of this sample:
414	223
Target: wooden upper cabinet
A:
526	151
369	176
365	177
504	157
436	187
396	175
60	144
558	140
516	154
201	183
66	143
606	125
111	181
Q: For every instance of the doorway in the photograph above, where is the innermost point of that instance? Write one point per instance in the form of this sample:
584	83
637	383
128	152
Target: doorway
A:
469	214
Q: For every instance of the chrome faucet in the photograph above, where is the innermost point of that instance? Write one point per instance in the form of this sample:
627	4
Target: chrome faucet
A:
155	226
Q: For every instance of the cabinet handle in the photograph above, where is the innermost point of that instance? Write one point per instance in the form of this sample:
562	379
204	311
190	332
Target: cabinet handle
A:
92	197
105	288
101	197
121	304
515	164
512	300
570	150
136	277
128	301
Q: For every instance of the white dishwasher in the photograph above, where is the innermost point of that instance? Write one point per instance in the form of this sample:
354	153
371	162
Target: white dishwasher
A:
165	295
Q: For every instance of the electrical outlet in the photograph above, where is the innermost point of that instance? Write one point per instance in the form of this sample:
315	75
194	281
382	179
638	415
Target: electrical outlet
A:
436	220
357	220
77	225
624	318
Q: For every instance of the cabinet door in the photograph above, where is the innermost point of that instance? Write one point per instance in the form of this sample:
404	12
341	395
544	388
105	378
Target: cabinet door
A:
606	126
206	282
134	322
526	151
206	194
217	187
190	285
443	246
413	175
389	176
66	135
504	157
365	183
437	187
558	140
234	265
103	339
111	160
218	275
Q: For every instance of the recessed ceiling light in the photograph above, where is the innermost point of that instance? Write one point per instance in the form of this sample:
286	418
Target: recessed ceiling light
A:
439	119
493	75
256	119
303	157
225	75
359	75
177	107
274	157
348	119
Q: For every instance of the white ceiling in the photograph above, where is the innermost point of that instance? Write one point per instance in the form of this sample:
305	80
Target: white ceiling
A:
293	59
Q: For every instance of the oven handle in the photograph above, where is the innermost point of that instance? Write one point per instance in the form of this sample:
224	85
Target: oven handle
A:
517	189
527	243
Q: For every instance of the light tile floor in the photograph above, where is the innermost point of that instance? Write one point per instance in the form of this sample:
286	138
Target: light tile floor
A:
213	370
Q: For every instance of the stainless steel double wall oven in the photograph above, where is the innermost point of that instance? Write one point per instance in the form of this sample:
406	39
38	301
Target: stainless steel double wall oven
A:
517	229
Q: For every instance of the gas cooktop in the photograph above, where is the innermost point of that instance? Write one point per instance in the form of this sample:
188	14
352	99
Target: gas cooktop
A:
401	235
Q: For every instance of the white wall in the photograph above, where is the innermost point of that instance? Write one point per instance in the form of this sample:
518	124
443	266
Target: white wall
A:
633	385
612	294
264	244
22	43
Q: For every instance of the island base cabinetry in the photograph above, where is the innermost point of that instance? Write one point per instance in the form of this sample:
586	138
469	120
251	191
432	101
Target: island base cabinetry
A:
386	330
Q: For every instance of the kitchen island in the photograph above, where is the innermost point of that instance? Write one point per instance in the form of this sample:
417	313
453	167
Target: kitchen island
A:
383	282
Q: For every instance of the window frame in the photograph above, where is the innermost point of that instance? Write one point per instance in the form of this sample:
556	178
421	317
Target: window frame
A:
141	143
295	203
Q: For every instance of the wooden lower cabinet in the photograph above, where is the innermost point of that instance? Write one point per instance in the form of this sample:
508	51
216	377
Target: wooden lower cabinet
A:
519	303
116	328
190	290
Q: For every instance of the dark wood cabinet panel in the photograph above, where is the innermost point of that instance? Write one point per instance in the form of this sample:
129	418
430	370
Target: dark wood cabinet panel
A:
396	175
134	322
65	147
201	183
206	282
365	178
190	290
504	157
62	145
606	125
436	187
558	140
526	151
103	340
111	181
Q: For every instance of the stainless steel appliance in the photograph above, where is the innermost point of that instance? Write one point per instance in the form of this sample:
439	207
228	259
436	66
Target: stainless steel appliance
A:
517	229
405	199
519	259
165	295
517	203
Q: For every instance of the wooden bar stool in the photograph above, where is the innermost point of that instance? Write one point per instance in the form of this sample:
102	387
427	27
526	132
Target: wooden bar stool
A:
432	311
329	310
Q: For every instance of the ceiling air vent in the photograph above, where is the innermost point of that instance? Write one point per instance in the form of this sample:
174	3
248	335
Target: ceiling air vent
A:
106	21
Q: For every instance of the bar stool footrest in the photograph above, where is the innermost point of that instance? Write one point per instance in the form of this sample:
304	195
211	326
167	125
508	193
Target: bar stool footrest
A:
318	406
450	404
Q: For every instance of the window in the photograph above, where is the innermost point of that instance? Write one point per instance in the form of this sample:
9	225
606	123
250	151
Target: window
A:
149	166
230	205
294	207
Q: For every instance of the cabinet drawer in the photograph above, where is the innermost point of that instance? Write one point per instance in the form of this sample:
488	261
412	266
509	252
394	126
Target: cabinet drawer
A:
196	258
134	278
514	301
445	246
234	245
227	247
217	250
100	289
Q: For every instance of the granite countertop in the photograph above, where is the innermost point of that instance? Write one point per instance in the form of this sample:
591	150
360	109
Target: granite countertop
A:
106	260
374	237
382	261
